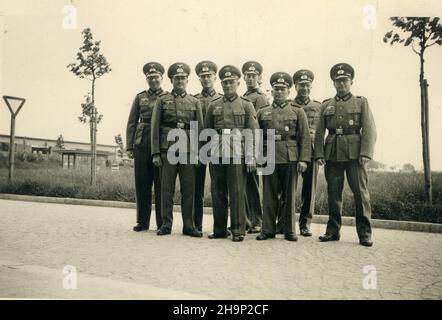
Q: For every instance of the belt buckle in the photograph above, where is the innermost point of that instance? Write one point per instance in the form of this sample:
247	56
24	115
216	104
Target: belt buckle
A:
340	131
278	137
226	131
180	125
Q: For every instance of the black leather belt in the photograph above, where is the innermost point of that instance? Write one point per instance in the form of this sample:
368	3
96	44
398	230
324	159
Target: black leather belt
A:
282	137
341	131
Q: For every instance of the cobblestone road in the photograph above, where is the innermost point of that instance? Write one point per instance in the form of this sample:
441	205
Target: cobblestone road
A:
37	240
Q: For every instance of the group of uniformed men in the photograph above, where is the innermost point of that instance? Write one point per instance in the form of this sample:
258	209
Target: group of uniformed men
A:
300	148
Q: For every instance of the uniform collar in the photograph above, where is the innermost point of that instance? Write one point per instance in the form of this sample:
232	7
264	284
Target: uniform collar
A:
275	105
344	98
155	92
176	94
231	99
250	91
301	101
208	92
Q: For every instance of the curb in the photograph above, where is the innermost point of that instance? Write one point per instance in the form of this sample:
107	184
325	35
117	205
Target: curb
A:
321	219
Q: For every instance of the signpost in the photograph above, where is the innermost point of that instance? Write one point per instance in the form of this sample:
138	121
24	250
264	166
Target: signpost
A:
14	104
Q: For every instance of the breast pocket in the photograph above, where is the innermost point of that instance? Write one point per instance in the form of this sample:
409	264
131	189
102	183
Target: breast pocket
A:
239	117
312	116
354	117
191	112
218	117
330	118
290	122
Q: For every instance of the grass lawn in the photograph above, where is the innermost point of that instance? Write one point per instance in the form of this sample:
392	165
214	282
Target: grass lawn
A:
397	196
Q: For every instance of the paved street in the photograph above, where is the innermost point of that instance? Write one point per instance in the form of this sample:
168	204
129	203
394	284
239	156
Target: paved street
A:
38	240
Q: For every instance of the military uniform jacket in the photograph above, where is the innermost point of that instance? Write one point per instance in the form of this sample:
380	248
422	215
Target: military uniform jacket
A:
351	129
292	139
206	98
224	114
257	97
138	124
174	111
312	108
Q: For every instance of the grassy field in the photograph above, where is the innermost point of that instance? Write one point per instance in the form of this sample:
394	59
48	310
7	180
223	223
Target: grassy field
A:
396	196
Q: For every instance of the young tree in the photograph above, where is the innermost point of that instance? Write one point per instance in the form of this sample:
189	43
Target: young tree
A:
90	65
119	142
59	144
420	33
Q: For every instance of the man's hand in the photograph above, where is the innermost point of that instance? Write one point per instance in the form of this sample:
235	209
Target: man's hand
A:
363	160
320	161
130	154
157	160
251	166
302	166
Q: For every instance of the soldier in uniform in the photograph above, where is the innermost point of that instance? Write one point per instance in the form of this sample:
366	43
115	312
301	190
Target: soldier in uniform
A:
226	115
175	111
303	84
347	149
139	147
292	154
252	71
206	71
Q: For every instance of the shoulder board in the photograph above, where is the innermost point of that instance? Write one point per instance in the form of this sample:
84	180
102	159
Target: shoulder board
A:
216	99
196	95
246	99
163	93
294	104
326	100
140	93
361	97
317	101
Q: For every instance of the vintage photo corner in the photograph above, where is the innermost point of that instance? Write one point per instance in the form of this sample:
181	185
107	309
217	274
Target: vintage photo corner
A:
225	156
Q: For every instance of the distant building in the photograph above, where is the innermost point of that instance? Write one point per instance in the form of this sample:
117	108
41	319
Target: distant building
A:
74	154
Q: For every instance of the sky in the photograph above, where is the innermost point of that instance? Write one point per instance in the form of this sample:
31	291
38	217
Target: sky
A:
283	35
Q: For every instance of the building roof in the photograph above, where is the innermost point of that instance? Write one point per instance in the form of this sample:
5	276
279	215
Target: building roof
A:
52	140
81	152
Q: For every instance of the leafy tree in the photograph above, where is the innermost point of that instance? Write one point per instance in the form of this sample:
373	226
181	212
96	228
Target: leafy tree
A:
119	142
90	65
419	33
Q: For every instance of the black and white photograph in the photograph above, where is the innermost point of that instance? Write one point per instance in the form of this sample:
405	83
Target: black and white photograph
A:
229	152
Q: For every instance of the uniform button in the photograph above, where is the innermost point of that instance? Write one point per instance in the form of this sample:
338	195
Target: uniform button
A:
340	117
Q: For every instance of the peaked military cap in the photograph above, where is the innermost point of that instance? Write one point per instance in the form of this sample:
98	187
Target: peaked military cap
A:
178	69
281	79
206	67
342	70
229	72
302	76
252	67
153	68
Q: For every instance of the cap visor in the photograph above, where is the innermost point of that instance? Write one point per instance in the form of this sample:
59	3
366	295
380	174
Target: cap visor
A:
280	85
230	78
342	76
207	72
303	81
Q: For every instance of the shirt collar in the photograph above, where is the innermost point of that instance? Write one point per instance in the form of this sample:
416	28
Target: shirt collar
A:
208	92
231	99
344	98
176	94
301	101
250	91
155	92
282	105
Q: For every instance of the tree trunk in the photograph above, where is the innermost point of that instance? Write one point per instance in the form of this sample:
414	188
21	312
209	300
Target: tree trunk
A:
424	128
427	128
94	139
